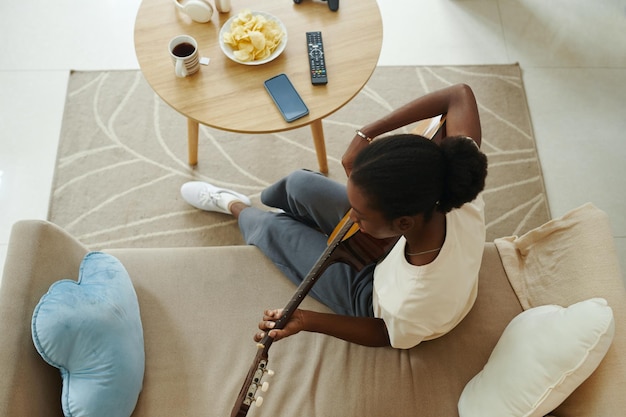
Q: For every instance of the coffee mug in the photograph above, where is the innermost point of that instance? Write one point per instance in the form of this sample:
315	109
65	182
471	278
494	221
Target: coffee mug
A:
185	56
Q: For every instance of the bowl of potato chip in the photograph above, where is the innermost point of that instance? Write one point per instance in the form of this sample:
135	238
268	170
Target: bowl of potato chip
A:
253	37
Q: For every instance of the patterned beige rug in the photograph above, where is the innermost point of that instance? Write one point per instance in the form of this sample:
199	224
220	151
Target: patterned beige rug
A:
122	156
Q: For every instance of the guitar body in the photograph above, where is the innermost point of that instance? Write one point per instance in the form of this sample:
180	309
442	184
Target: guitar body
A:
361	249
347	245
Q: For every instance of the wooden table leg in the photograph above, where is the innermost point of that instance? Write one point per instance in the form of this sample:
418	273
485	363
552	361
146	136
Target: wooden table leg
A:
192	141
320	146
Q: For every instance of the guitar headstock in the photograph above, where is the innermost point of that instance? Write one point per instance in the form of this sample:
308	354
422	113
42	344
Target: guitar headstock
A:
254	384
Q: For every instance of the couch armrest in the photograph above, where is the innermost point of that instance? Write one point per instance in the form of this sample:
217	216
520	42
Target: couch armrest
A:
39	254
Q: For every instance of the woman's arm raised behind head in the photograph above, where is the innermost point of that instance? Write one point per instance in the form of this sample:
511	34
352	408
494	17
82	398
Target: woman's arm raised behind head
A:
457	102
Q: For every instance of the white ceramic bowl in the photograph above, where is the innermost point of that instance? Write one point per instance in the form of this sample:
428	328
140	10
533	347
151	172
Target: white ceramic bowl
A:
228	50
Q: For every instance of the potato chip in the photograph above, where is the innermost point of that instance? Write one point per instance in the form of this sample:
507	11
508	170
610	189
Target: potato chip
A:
257	39
252	36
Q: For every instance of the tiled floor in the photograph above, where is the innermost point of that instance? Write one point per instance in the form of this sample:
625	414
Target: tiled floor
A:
572	53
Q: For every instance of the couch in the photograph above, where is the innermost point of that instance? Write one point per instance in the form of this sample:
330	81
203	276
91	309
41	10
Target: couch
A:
200	306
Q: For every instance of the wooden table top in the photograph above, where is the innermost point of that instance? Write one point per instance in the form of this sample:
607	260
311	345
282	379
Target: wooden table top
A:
231	96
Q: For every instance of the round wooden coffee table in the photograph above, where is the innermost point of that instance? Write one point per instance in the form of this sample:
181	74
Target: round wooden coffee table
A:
230	96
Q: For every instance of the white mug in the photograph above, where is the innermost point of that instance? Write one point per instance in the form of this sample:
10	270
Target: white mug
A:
222	6
184	52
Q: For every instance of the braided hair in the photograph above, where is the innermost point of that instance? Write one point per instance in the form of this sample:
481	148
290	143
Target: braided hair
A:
406	174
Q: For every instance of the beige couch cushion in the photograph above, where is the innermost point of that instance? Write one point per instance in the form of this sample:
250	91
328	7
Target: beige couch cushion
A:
565	261
200	307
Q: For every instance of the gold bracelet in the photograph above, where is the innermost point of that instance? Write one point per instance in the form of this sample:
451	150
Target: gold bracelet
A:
364	136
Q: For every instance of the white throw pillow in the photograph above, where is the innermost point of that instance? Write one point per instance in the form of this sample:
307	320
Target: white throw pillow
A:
543	355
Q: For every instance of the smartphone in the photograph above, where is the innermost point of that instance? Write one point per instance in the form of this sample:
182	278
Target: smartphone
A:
286	98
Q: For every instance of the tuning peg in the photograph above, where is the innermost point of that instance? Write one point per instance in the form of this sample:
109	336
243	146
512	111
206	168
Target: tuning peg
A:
270	372
258	402
265	386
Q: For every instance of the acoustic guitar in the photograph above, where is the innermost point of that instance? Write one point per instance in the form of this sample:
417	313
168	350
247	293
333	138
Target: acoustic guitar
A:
346	244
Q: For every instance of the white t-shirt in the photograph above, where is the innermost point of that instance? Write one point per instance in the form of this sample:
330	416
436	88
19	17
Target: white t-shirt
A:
425	302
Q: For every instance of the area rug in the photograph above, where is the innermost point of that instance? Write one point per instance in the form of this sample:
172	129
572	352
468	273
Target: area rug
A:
123	151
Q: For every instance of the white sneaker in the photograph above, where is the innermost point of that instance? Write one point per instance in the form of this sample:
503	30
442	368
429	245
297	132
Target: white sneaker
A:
205	196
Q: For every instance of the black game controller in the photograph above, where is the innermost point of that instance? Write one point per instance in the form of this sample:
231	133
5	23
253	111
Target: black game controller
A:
332	4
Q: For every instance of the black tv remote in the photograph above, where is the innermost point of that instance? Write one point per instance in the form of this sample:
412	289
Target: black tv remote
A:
317	63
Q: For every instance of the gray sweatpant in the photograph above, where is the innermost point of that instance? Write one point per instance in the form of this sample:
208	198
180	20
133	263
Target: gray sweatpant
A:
294	240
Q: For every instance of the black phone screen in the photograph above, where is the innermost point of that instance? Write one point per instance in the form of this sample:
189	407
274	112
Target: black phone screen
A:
286	97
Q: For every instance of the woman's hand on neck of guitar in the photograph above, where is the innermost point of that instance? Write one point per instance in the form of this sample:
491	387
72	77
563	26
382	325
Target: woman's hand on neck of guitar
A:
270	317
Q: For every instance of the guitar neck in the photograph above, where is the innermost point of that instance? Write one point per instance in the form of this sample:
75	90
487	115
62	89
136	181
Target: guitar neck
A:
323	262
259	364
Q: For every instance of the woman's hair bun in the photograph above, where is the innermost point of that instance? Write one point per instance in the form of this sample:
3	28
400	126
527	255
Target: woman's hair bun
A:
465	172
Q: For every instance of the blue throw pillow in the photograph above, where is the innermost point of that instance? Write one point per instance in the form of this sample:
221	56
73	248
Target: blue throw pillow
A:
91	330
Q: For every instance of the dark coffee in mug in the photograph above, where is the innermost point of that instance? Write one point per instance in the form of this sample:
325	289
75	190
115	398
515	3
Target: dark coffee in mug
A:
183	49
185	55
